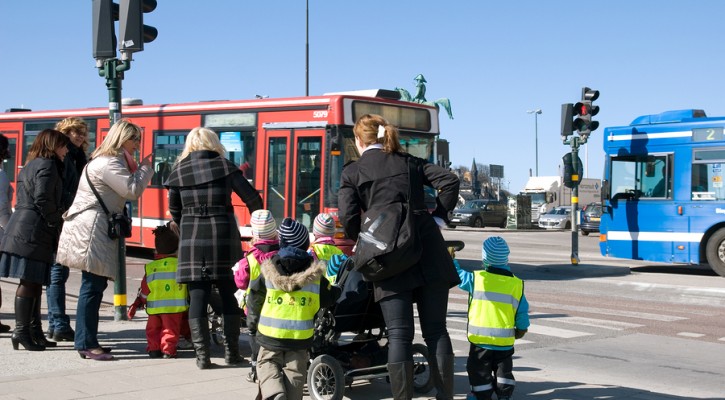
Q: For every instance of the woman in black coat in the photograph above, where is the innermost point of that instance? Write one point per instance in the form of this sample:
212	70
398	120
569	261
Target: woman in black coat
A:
31	236
200	187
378	177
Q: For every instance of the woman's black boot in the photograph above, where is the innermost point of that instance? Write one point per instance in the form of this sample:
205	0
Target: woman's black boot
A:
24	308
36	327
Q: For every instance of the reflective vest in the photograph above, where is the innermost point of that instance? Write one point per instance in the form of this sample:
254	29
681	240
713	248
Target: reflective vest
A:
326	251
165	295
289	315
492	308
255	269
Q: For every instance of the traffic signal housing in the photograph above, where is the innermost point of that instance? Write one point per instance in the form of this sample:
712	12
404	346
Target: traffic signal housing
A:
567	113
572	177
133	31
105	13
584	111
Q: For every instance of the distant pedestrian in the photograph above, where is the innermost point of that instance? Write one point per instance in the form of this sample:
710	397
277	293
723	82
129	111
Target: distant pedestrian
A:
282	307
200	202
165	300
498	313
76	129
85	244
31	235
6	200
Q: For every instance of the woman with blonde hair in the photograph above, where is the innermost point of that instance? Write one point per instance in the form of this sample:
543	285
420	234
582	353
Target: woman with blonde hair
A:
84	242
31	235
381	176
200	202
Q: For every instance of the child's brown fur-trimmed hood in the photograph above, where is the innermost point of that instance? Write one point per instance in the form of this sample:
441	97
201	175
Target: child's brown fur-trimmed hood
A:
290	283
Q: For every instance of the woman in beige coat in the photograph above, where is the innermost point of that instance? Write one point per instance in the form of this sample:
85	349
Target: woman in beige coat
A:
84	242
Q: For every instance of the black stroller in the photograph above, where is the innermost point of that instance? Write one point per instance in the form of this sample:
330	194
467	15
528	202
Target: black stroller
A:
347	343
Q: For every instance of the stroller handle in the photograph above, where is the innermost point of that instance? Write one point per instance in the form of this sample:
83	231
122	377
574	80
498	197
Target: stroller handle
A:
457	245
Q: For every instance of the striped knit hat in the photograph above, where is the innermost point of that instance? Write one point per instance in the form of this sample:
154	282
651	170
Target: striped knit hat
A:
324	226
263	225
293	234
495	251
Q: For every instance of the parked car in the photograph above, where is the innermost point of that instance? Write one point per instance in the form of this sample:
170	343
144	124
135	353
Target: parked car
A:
590	217
557	218
481	212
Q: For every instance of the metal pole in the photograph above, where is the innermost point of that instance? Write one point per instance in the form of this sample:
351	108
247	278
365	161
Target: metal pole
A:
113	72
536	138
307	49
575	201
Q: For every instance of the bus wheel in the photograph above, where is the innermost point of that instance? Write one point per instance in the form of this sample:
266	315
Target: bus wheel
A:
715	252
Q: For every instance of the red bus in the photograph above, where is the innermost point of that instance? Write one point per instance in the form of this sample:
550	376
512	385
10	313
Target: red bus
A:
296	147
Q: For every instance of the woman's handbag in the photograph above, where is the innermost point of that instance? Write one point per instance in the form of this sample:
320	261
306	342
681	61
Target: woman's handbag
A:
119	224
389	242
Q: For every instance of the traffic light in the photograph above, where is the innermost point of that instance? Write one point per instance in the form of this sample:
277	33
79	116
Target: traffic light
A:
105	13
572	177
133	32
585	110
567	113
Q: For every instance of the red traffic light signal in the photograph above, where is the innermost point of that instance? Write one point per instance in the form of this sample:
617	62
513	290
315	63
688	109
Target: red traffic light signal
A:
585	110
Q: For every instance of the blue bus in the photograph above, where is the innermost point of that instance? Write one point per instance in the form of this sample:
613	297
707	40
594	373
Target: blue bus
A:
663	191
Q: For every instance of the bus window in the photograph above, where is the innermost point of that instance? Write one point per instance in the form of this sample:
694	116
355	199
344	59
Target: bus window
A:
707	175
167	147
309	156
277	177
32	129
641	177
10	162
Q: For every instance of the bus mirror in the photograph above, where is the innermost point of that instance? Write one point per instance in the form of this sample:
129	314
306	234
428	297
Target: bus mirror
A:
334	142
649	169
604	192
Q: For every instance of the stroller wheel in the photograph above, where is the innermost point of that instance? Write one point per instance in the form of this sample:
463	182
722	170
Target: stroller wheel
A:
325	379
422	379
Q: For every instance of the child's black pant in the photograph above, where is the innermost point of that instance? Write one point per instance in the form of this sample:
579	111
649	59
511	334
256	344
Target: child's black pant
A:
484	366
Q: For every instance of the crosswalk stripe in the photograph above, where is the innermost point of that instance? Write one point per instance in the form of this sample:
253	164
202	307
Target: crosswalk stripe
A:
691	334
557	332
593	322
621	313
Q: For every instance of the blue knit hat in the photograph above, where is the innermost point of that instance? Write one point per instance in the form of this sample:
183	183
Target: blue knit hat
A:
293	234
495	251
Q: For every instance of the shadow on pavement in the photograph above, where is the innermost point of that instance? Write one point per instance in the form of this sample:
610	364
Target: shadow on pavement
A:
694	270
555	272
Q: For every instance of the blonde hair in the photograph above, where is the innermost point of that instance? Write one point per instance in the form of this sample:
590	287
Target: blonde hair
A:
67	125
366	129
202	139
119	133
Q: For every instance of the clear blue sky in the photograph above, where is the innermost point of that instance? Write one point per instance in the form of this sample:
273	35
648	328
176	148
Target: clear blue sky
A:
493	59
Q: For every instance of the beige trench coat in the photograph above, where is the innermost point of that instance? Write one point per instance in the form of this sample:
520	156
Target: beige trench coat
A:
84	242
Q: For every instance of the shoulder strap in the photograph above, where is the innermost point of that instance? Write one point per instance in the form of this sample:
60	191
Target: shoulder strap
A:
95	192
415	201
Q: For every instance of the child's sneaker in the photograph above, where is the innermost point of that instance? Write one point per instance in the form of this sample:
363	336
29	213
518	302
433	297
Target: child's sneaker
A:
470	396
184	344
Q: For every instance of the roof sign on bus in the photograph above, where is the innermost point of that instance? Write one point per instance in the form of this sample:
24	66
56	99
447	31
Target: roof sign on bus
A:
418	119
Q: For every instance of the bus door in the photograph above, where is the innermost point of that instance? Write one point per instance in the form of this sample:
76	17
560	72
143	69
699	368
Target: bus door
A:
293	168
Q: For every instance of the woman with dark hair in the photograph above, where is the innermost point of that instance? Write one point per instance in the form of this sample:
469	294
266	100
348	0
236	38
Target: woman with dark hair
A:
31	236
6	199
381	177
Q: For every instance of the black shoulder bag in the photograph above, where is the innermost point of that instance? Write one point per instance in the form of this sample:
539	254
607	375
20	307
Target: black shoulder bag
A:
119	224
389	242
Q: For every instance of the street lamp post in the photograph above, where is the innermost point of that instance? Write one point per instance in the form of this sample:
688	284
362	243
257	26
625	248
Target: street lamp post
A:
536	135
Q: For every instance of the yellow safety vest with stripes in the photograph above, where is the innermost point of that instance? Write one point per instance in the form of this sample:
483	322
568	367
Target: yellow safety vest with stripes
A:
289	315
165	295
255	269
325	252
492	308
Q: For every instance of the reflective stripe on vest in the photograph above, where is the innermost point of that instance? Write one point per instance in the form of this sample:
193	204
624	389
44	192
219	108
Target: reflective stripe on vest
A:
492	308
290	315
326	251
165	295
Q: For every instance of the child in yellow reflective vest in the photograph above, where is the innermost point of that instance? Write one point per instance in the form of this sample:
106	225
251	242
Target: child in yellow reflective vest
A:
498	313
281	307
264	245
323	247
165	300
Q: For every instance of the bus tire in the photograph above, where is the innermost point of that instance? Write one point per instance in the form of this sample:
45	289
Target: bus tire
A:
715	252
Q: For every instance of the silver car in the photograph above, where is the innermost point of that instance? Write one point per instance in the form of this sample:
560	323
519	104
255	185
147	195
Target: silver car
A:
557	218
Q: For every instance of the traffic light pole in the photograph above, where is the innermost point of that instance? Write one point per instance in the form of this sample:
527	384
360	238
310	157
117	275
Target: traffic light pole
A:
113	70
575	202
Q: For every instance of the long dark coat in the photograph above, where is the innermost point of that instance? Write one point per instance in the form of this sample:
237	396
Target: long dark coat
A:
200	188
382	178
34	227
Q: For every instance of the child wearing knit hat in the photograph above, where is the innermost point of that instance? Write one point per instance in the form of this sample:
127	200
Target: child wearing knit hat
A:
282	305
264	245
323	247
498	313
